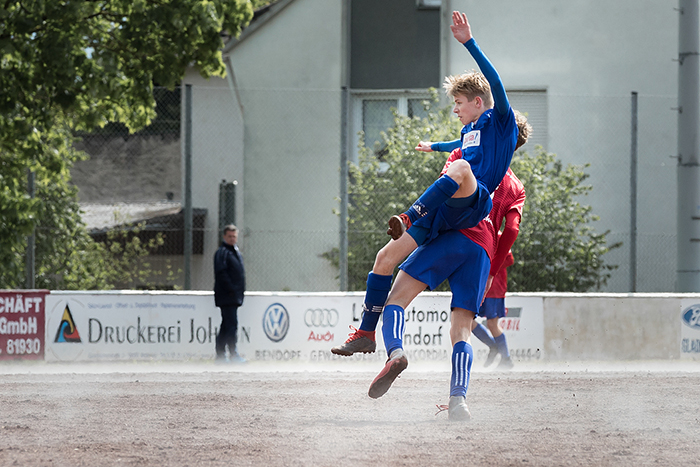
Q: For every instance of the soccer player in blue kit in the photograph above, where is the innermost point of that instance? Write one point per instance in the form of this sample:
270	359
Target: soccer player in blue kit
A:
460	198
463	258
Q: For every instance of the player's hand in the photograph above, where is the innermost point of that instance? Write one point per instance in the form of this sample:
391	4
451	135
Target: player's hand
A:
460	27
424	146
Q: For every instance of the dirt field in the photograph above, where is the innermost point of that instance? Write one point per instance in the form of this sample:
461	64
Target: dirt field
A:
187	415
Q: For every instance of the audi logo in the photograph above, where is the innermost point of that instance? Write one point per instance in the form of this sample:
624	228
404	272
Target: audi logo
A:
321	317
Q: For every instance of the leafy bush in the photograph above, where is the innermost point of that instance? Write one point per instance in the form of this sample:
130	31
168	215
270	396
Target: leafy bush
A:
557	249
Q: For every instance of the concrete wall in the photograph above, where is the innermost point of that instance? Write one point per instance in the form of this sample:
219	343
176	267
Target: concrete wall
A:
288	76
589	55
613	326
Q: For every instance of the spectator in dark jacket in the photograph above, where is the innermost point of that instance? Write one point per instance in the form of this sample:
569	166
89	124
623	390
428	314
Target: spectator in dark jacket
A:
229	287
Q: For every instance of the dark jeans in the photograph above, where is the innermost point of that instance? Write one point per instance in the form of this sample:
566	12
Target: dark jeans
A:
228	331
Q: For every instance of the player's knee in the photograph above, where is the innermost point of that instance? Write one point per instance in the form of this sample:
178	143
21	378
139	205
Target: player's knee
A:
493	326
459	333
459	171
383	261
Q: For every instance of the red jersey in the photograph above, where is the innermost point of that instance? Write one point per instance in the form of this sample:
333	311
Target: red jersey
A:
499	286
454	155
509	195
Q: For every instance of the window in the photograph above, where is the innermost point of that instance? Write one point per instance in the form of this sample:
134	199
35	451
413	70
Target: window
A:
533	104
377	116
372	113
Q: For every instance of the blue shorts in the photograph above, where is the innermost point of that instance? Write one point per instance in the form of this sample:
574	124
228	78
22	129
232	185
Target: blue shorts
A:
452	216
454	257
493	308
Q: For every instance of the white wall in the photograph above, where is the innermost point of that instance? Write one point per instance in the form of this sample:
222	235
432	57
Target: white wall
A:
590	55
620	326
217	154
287	74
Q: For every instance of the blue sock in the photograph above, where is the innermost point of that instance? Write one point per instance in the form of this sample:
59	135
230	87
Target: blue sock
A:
392	328
462	356
502	346
378	288
483	335
440	191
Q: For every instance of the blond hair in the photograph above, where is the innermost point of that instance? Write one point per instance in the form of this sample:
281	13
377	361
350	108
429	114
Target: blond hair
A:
469	85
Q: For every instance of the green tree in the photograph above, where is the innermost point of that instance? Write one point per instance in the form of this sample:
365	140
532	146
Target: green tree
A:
557	248
74	66
387	179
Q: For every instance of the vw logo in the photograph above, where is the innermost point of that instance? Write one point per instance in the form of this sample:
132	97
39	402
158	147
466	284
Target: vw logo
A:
276	322
691	316
321	317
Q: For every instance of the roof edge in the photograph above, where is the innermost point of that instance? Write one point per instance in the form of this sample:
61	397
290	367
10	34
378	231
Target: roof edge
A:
272	11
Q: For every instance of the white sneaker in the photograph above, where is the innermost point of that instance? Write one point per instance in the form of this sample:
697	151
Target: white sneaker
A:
458	410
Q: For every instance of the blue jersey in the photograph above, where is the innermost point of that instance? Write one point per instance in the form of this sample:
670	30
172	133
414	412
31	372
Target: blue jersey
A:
489	143
488	146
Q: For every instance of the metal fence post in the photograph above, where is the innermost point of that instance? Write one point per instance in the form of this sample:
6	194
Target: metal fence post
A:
688	215
31	239
343	245
188	188
633	197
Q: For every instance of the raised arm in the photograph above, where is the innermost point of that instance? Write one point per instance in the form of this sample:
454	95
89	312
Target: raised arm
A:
461	30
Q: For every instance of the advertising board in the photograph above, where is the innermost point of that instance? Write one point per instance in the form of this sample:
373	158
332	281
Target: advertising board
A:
304	327
690	329
22	324
109	326
275	327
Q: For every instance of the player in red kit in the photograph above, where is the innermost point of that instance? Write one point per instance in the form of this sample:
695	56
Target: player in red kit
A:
493	309
511	200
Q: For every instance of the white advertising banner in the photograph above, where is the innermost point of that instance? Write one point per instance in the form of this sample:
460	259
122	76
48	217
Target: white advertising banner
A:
279	327
690	329
304	327
112	326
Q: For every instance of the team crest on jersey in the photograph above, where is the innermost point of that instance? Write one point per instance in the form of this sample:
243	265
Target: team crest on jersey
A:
473	138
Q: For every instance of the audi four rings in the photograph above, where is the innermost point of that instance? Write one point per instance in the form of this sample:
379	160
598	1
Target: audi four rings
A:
321	317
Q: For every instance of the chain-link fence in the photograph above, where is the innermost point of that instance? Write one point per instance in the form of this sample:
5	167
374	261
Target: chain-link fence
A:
272	166
130	193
